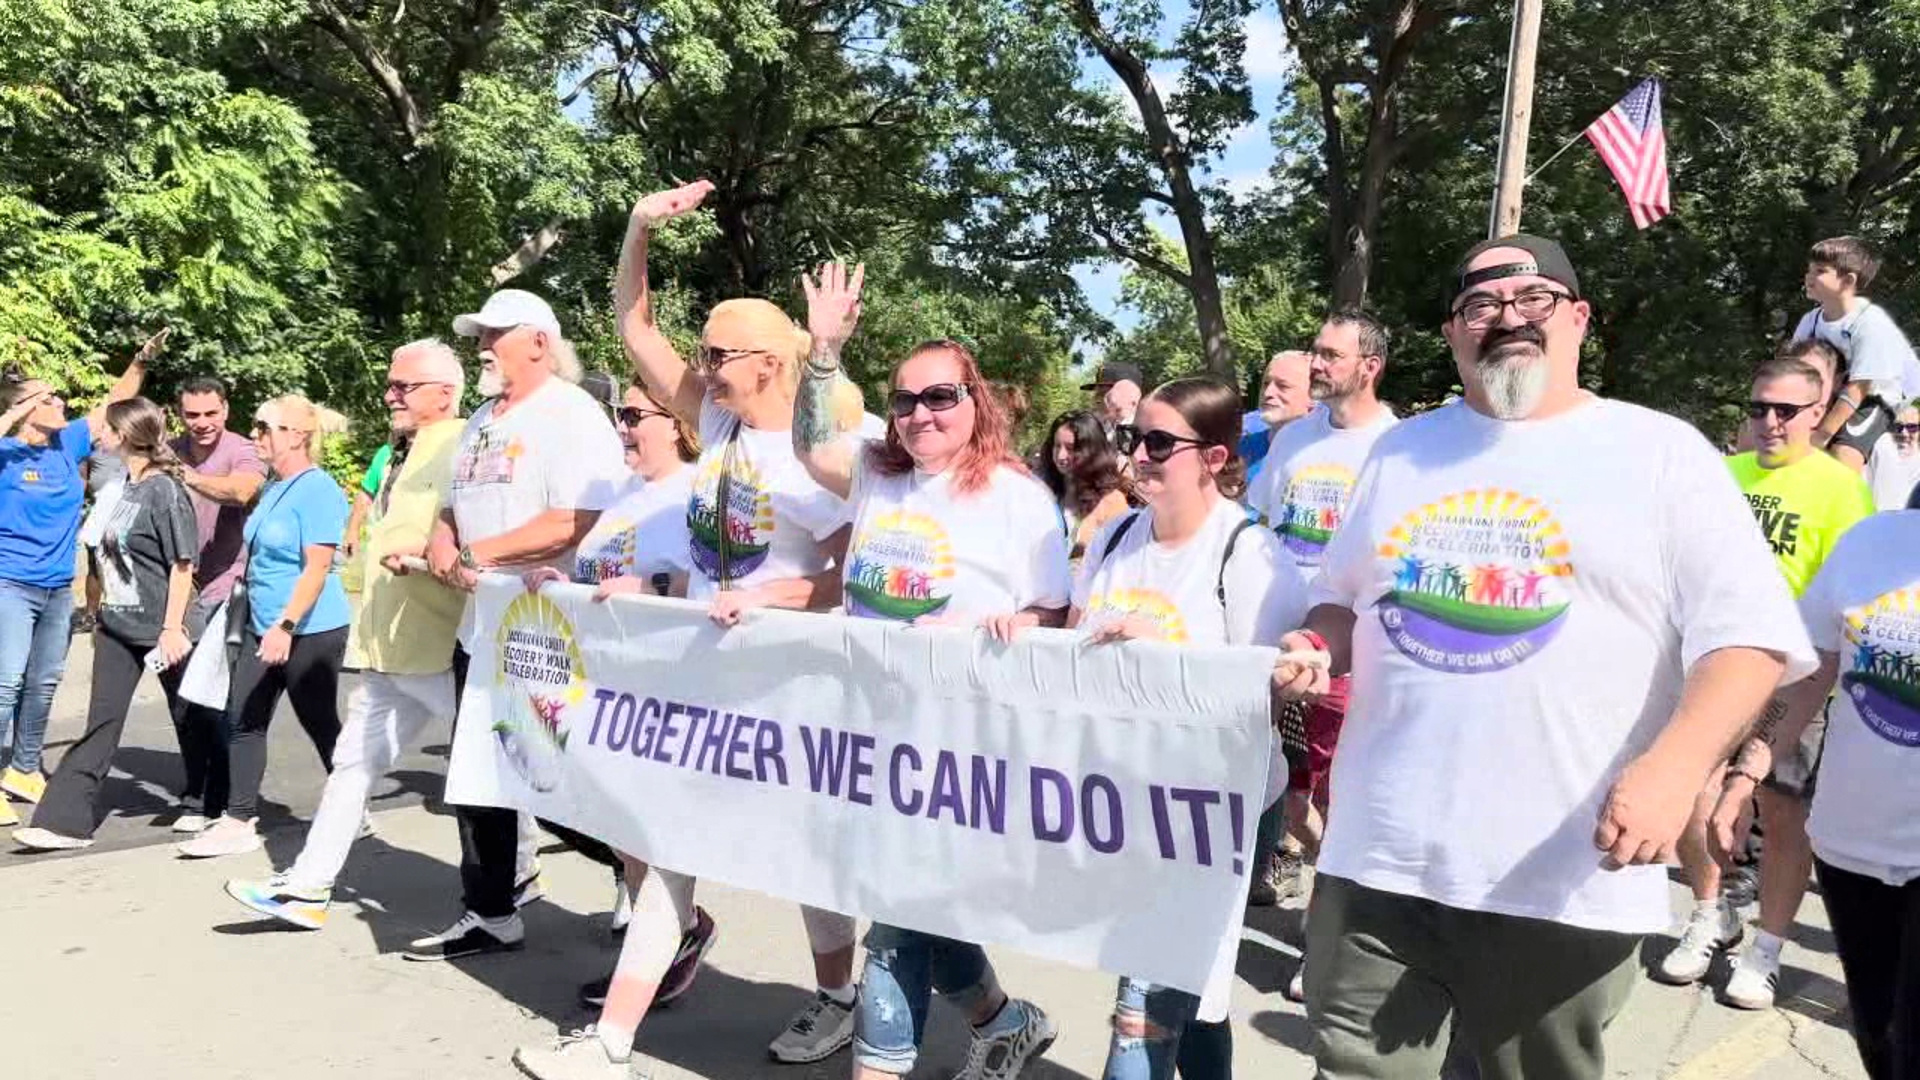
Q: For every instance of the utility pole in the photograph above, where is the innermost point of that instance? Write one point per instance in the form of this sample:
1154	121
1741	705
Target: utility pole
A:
1516	116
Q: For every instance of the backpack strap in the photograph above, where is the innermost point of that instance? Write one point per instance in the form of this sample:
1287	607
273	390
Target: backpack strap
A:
1220	583
1119	532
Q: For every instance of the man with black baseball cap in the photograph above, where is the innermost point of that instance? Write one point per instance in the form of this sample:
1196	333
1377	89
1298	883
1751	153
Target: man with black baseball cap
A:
1559	617
1117	387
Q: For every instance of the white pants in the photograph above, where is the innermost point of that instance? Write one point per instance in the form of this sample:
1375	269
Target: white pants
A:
385	714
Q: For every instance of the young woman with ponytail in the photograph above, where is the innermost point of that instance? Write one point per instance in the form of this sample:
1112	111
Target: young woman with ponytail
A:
146	555
295	637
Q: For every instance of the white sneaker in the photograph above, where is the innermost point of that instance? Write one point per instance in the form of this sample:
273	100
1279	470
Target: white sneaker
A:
1003	1056
527	887
1297	986
366	826
1756	973
1708	931
815	1032
191	823
46	840
228	836
579	1055
472	935
622	906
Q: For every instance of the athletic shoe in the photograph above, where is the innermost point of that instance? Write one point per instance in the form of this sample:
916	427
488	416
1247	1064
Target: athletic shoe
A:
228	836
1708	931
528	889
815	1032
622	906
1756	974
1003	1056
579	1055
191	822
1297	986
25	786
686	961
8	817
304	908
471	936
46	840
366	826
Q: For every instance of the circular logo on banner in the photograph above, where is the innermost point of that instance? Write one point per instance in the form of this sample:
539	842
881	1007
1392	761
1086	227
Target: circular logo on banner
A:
542	675
1479	581
1882	678
899	567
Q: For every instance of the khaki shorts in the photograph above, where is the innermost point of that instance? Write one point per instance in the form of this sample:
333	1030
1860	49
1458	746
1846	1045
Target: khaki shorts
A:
1794	774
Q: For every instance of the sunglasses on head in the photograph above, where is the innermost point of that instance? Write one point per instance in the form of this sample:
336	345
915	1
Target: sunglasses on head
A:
937	398
1160	445
631	415
1760	410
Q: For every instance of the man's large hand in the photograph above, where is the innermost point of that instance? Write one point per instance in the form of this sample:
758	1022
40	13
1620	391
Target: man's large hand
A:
1645	813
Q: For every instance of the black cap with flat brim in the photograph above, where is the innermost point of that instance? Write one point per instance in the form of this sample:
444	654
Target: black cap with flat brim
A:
1549	260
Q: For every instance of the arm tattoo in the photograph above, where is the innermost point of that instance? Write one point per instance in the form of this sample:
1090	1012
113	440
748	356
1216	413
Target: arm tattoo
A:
1770	718
813	405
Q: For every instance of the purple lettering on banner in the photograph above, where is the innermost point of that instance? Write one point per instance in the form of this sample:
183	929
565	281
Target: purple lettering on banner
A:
946	789
903	752
990	794
719	726
769	746
1197	800
861	769
666	731
1162	828
1116	828
1238	816
647	727
826	758
695	714
1040	779
737	747
620	726
602	695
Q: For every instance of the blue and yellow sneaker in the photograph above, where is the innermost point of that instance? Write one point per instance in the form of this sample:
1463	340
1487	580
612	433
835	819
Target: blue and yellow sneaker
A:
304	908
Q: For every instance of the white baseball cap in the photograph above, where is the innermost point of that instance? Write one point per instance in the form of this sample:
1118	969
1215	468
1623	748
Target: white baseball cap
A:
505	310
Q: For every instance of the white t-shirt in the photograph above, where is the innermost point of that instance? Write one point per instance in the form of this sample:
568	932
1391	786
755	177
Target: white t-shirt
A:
920	548
1876	351
1891	475
642	534
776	517
1308	478
1864	605
1529	598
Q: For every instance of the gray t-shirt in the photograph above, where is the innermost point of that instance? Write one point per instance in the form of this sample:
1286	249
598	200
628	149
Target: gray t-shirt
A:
150	530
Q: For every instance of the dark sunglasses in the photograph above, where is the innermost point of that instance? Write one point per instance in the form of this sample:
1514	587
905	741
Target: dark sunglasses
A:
631	415
1759	410
708	359
1907	429
1160	445
937	398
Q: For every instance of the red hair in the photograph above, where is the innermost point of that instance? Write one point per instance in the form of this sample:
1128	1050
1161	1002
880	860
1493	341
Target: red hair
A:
990	445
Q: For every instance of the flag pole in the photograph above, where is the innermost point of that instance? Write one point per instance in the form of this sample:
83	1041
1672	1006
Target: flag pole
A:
1564	147
1516	116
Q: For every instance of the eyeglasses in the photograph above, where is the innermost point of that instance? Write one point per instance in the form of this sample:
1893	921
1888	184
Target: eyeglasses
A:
937	398
1786	411
631	416
1907	429
708	359
1160	445
403	388
261	427
1537	305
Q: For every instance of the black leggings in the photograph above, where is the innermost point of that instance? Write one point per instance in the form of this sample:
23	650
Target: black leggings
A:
70	806
1877	929
311	680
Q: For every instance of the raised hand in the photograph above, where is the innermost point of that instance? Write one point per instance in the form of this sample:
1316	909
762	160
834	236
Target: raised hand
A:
152	347
666	205
833	308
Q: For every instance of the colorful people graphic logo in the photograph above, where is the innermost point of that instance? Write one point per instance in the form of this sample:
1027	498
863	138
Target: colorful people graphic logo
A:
1884	680
542	676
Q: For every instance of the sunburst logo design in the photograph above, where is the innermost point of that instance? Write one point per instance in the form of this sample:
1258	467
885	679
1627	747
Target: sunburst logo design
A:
1882	677
899	566
746	523
1479	581
1315	504
1149	604
542	676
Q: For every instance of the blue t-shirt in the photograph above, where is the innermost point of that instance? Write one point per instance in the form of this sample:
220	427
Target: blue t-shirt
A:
1255	437
291	516
40	496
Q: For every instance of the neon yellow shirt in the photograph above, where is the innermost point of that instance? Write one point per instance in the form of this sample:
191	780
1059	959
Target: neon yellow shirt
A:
1802	508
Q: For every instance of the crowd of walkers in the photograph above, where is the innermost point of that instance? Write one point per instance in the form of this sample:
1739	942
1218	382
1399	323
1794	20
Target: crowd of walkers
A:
1534	645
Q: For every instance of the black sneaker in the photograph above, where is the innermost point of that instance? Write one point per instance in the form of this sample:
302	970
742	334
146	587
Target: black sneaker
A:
471	936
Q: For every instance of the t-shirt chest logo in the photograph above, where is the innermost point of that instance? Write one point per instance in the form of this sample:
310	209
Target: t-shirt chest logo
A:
1479	581
1881	676
899	566
487	460
30	476
745	526
1149	604
1781	525
1315	504
611	554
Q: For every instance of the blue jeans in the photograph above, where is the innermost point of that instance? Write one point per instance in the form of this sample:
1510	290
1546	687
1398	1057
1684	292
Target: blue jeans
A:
35	625
904	968
1200	1050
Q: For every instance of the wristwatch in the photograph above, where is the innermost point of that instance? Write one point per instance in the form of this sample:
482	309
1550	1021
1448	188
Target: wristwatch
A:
466	559
288	625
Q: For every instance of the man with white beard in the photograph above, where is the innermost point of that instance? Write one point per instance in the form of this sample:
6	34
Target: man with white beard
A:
1559	618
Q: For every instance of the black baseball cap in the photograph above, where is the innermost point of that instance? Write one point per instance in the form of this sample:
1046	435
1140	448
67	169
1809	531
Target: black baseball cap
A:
1116	373
1549	261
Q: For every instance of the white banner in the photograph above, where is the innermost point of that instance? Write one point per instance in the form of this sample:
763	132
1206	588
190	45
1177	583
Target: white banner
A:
1091	804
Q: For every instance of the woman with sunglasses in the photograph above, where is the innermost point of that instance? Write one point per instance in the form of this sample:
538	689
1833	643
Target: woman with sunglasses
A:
295	637
147	551
948	527
1188	570
761	533
1078	464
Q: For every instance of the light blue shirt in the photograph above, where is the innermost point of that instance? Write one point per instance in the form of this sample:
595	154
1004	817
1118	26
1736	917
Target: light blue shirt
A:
291	516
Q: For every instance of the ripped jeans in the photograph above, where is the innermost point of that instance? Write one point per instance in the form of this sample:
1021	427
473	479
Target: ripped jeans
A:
904	967
1200	1050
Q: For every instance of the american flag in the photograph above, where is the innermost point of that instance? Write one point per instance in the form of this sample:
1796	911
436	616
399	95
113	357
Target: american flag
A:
1633	143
